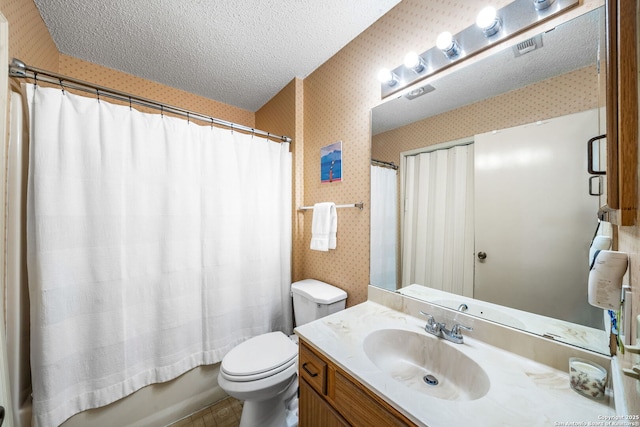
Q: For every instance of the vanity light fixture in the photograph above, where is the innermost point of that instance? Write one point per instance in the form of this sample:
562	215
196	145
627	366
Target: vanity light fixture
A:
414	62
493	26
488	21
387	77
448	45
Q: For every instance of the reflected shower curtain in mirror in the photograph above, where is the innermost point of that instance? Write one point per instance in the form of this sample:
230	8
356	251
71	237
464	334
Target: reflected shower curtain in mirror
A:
154	245
383	227
437	237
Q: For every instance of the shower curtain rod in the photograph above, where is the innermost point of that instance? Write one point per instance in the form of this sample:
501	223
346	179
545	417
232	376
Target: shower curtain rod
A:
19	69
385	164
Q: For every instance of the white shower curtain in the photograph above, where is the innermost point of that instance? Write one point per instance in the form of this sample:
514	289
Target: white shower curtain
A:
384	197
437	235
154	245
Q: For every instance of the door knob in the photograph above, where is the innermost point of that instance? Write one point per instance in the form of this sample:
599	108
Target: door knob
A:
482	256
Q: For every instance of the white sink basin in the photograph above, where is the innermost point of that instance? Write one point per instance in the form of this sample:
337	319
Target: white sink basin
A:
409	357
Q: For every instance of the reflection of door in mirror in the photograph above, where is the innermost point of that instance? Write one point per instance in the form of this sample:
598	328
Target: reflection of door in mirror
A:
383	226
437	226
535	217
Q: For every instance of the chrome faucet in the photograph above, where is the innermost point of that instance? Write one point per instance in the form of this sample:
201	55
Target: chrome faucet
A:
454	335
463	307
440	330
432	327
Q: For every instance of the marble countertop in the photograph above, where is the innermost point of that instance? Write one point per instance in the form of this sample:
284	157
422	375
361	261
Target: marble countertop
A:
522	391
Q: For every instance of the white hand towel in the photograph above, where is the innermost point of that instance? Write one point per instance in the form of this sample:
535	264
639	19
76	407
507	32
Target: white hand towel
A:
324	226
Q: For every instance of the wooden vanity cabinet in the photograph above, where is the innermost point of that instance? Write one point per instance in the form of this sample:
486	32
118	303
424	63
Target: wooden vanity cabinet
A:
622	110
331	397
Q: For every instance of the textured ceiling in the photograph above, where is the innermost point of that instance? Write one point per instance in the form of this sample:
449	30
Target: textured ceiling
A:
241	53
568	47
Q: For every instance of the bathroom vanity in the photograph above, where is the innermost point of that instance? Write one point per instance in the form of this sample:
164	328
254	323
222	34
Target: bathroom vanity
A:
329	396
374	364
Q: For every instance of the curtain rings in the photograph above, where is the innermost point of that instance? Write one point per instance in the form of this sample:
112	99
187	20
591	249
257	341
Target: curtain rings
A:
130	109
162	111
61	85
98	95
188	119
232	128
211	122
35	80
253	133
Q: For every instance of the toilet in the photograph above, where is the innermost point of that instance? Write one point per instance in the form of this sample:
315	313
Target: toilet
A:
262	371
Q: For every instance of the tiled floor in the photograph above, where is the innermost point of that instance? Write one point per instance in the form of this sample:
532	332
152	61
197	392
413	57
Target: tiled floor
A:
225	413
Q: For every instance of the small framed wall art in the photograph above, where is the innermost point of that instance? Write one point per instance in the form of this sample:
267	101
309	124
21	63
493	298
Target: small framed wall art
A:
331	163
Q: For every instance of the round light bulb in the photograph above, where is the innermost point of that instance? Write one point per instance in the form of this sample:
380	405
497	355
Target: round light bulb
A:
413	62
386	76
444	40
487	17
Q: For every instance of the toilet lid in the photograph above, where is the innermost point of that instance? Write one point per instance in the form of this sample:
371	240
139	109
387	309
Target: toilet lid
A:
260	354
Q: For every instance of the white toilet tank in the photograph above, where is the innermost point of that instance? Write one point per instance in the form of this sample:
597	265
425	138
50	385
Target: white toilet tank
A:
313	299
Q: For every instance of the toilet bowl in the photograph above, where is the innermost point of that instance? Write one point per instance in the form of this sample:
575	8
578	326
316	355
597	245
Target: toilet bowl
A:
262	371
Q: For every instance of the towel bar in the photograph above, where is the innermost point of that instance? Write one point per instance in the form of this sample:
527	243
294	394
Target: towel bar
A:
354	205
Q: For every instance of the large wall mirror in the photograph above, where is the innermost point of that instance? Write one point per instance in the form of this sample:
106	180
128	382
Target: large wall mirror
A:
489	210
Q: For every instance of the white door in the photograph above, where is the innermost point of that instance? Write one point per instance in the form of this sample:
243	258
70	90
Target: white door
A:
535	218
437	228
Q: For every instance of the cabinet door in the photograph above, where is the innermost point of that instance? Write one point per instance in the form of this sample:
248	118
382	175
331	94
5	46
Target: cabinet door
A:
313	369
314	411
360	409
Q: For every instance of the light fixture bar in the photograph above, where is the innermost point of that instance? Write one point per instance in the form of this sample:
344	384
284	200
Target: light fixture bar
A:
516	17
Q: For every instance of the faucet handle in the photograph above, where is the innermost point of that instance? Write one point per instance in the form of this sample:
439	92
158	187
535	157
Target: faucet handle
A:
456	328
432	326
430	319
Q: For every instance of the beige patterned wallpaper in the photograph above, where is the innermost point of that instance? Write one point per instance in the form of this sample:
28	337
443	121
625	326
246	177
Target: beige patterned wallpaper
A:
283	115
335	110
29	39
87	71
570	93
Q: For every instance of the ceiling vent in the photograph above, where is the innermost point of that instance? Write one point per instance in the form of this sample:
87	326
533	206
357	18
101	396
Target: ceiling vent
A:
419	92
528	45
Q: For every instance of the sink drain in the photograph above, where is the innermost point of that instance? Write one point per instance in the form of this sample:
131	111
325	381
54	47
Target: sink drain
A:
430	380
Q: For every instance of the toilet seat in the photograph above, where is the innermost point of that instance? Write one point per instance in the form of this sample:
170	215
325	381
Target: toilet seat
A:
259	357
